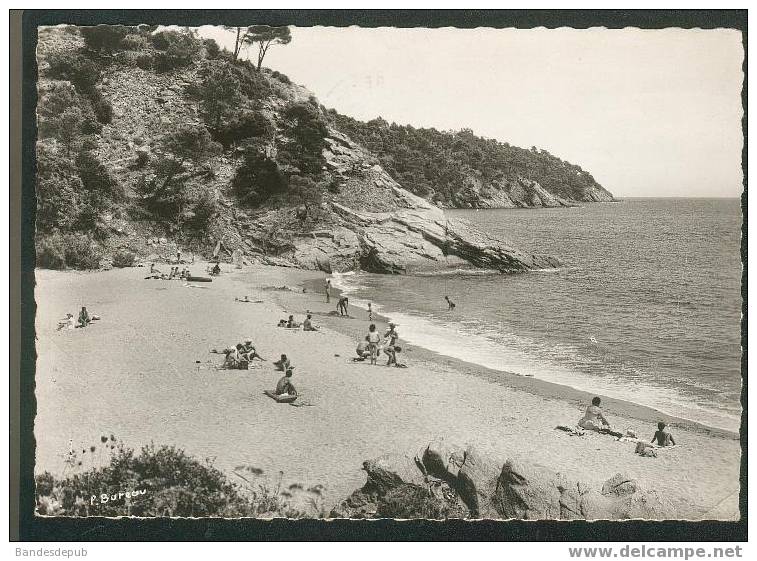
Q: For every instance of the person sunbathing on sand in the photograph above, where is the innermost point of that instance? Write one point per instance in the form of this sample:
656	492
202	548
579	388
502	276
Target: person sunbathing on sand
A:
284	385
282	364
593	419
291	324
307	325
67	322
663	437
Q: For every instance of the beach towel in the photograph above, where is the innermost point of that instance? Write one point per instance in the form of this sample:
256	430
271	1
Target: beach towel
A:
282	398
572	431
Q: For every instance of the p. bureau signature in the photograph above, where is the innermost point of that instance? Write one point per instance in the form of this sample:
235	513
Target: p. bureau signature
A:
104	498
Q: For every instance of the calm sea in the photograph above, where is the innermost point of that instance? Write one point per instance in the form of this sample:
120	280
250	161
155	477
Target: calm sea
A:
647	307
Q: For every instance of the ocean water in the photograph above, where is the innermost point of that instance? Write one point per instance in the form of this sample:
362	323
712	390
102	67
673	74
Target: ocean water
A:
647	307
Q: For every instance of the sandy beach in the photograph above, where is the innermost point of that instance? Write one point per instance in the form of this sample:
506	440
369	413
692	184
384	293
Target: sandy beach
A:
145	373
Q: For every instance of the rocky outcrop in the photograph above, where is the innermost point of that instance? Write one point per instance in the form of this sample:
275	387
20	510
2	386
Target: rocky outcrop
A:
377	226
452	481
398	487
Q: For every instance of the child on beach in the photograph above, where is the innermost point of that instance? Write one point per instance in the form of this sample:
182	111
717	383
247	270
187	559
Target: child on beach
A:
663	437
370	312
282	364
373	342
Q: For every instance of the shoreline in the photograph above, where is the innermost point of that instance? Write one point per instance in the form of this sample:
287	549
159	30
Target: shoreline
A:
535	386
145	373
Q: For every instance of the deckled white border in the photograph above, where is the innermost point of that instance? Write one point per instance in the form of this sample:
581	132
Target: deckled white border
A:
364	552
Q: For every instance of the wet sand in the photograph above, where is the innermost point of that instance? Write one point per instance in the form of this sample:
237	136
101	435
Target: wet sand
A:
144	373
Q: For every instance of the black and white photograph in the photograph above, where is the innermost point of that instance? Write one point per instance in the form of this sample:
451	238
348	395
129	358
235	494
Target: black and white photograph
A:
384	272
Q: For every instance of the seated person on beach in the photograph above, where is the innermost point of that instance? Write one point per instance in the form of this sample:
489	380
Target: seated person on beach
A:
450	304
291	324
391	351
216	270
282	364
248	351
242	359
153	269
282	323
307	325
67	322
593	419
362	350
663	437
84	319
232	359
284	385
373	342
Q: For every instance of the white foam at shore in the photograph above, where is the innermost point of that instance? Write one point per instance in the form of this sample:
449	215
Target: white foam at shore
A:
506	355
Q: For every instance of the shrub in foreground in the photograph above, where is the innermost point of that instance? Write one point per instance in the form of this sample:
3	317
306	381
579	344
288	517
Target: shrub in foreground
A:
160	481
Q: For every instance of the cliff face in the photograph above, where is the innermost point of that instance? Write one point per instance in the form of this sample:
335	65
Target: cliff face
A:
364	220
373	225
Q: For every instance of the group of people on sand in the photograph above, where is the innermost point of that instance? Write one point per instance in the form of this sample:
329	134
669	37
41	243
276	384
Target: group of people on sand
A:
290	323
175	273
83	320
595	420
371	347
241	355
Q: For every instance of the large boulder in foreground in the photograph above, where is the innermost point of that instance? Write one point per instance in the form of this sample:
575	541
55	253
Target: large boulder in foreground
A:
396	487
448	481
407	241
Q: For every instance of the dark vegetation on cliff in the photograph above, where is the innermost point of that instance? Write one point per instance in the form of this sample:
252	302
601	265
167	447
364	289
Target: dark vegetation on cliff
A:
442	166
147	134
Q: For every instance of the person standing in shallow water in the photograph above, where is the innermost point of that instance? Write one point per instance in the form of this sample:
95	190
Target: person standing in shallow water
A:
328	290
450	304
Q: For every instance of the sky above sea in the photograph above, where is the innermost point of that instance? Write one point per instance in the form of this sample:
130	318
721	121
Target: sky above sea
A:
650	113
